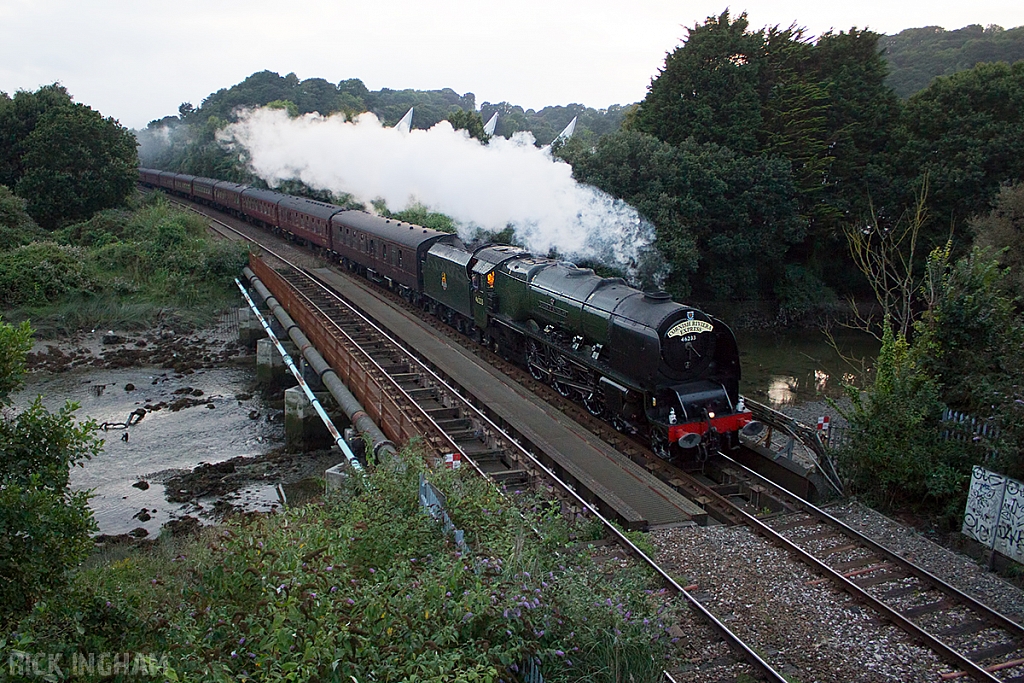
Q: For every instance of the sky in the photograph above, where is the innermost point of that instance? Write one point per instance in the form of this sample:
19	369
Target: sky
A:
137	60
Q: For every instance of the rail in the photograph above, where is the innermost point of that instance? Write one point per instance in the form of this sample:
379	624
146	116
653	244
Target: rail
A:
401	420
339	358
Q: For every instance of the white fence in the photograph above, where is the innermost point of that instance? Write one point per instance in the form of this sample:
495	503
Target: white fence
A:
995	513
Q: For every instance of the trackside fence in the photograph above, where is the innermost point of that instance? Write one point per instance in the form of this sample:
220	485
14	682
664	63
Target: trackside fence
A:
960	427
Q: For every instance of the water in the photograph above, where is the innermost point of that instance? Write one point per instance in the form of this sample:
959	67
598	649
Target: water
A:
791	367
164	442
781	369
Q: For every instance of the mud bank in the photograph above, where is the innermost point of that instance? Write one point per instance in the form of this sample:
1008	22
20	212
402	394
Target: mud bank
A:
188	436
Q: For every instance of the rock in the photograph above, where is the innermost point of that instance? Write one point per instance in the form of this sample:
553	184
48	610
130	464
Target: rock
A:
138	532
182	527
141	484
129	387
142	515
111	338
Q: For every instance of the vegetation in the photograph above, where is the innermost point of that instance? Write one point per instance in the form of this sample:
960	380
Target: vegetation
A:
962	350
101	271
723	219
918	55
44	526
1001	231
63	158
366	585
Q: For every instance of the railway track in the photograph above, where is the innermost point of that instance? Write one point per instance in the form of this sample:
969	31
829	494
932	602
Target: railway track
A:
972	638
451	422
974	641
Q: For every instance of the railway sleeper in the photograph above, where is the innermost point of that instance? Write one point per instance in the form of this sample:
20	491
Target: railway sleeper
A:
453	425
511	478
459	435
443	413
421	394
992	651
928	608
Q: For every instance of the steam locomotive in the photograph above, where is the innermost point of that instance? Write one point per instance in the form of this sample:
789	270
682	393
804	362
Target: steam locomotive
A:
647	364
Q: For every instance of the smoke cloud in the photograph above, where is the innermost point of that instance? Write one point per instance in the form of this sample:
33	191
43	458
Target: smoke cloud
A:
505	183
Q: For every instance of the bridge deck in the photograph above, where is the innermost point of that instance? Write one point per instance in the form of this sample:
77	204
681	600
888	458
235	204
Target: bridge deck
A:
639	497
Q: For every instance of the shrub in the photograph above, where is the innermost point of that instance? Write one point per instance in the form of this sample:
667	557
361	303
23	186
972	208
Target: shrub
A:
41	272
16	226
44	526
897	456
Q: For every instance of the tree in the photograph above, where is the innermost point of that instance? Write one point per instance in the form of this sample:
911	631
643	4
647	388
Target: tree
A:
966	131
708	89
724	220
76	163
287	105
822	107
470	122
1001	231
918	55
970	340
44	526
18	117
64	158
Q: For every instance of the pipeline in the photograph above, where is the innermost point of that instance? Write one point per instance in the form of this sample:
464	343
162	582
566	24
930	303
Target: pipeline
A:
380	444
338	438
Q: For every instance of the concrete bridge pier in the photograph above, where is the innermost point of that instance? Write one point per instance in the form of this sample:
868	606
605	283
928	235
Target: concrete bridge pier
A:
249	328
303	428
271	372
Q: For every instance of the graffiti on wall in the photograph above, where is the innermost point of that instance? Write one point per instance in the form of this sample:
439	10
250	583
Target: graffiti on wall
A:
995	513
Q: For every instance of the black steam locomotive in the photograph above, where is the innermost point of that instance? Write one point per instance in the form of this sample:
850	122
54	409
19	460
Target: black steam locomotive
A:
638	359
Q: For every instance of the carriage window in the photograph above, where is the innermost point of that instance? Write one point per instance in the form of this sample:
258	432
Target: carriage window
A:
399	258
384	251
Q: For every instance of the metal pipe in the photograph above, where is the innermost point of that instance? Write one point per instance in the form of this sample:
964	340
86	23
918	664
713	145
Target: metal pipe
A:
363	423
338	438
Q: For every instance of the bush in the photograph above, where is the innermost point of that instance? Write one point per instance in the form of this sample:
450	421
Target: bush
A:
801	293
41	272
106	227
365	585
897	457
16	226
44	527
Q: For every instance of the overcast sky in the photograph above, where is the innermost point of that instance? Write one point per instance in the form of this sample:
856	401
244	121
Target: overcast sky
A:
137	60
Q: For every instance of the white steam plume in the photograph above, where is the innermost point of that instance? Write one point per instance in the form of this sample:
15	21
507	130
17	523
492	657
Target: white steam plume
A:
508	182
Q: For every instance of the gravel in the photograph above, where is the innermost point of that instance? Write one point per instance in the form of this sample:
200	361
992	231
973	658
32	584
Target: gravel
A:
958	570
808	630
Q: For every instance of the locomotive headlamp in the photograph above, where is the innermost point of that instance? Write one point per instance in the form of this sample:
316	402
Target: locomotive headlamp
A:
711	416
